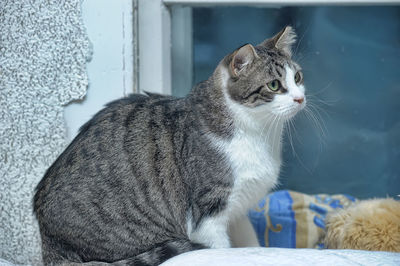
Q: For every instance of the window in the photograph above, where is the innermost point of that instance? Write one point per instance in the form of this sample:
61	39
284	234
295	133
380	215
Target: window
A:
350	55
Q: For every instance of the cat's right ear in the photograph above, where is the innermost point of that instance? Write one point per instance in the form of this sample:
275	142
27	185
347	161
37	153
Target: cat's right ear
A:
242	59
282	41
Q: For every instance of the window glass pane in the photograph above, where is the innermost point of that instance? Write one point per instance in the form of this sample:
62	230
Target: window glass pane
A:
350	57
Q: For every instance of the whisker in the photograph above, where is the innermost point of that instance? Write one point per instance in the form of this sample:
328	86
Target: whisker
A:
314	120
264	127
290	137
321	90
318	109
327	103
278	141
295	154
270	129
295	131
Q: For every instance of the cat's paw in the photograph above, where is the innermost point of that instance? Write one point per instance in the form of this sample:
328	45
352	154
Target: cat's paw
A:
220	243
212	232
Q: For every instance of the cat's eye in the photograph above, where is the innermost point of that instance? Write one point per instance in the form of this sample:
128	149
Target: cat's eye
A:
274	85
298	77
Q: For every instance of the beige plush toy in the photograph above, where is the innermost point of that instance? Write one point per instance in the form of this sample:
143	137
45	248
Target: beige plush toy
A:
367	225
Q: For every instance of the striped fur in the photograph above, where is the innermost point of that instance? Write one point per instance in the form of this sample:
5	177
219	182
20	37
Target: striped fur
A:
151	176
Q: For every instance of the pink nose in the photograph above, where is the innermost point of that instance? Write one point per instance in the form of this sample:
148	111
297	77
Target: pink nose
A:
299	100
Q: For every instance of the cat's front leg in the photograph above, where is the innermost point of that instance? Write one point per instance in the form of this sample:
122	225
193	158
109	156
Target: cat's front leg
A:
242	233
212	232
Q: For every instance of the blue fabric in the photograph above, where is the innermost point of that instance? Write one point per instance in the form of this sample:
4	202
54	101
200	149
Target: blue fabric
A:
277	214
280	212
259	222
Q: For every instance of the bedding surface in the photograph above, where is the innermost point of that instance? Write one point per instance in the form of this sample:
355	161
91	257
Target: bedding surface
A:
278	256
283	256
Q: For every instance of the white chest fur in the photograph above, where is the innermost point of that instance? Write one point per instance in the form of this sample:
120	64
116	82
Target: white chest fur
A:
255	161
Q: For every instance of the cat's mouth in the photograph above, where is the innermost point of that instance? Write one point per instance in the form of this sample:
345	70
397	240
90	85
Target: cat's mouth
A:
288	112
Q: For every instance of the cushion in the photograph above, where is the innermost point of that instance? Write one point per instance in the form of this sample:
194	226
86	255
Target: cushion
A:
294	220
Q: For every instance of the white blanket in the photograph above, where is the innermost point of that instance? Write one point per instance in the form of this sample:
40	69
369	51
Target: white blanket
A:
283	256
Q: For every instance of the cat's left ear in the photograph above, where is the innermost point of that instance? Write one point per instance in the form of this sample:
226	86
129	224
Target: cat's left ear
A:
242	58
283	41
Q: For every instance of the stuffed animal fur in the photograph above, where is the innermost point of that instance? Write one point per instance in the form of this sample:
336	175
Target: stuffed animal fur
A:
367	225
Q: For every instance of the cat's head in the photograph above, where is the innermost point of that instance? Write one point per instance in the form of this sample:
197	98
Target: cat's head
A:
263	80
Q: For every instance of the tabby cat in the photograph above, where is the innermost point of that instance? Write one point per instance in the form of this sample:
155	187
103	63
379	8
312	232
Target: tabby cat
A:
151	176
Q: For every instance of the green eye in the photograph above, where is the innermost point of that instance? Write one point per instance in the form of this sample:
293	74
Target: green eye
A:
273	85
298	77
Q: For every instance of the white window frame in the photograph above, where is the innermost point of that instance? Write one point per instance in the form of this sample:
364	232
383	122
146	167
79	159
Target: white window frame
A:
112	71
160	39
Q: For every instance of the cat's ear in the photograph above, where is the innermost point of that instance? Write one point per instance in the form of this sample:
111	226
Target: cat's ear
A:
283	41
242	58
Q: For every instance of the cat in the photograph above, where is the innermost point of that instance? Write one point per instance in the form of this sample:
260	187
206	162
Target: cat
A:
372	224
152	176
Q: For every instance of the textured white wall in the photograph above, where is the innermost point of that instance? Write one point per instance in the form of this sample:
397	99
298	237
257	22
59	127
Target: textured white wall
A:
43	53
44	48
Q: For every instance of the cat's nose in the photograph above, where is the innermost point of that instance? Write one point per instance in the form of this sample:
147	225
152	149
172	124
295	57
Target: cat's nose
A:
300	100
